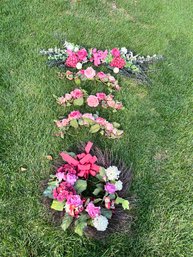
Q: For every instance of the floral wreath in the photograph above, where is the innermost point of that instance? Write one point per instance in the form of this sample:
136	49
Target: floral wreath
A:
90	192
76	119
78	97
118	59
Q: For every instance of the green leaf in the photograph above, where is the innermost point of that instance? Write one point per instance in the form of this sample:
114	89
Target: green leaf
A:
58	206
80	185
74	123
67	220
97	200
77	81
116	124
53	183
106	213
89	121
125	203
80	225
95	128
112	196
78	101
97	191
71	154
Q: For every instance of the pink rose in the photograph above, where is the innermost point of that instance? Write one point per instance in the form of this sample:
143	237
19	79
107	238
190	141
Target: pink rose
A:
88	115
72	59
61	100
115	52
64	122
82	54
111	103
68	97
101	96
112	79
101	121
69	75
109	127
101	75
118	87
92	101
59	124
118	106
92	210
74	115
90	73
71	178
77	93
110	188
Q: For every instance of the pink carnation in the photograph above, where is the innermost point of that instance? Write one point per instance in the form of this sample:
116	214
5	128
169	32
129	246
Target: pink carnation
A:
92	210
118	62
92	101
77	93
59	124
72	59
90	73
115	52
101	96
110	188
118	106
82	54
74	115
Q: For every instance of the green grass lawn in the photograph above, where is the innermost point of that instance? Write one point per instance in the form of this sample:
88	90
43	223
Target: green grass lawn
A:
157	123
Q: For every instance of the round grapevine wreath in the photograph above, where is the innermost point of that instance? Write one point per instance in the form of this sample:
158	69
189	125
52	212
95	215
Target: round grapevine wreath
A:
89	192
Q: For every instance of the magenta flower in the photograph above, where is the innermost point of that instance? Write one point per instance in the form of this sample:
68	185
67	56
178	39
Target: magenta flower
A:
110	188
74	200
82	54
115	52
101	96
74	115
101	75
71	178
92	210
77	93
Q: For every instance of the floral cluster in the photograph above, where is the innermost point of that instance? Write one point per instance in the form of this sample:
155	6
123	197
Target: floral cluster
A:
90	74
74	56
78	97
96	124
85	192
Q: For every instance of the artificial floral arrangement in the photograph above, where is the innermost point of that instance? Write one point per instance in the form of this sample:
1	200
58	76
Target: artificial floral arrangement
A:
90	192
90	74
118	59
76	119
78	97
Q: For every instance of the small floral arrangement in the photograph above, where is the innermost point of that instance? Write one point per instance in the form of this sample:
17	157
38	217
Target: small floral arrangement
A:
88	194
117	59
78	97
76	119
91	74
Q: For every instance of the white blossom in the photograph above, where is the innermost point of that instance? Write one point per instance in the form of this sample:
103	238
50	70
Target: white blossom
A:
79	66
112	173
100	223
124	50
119	185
